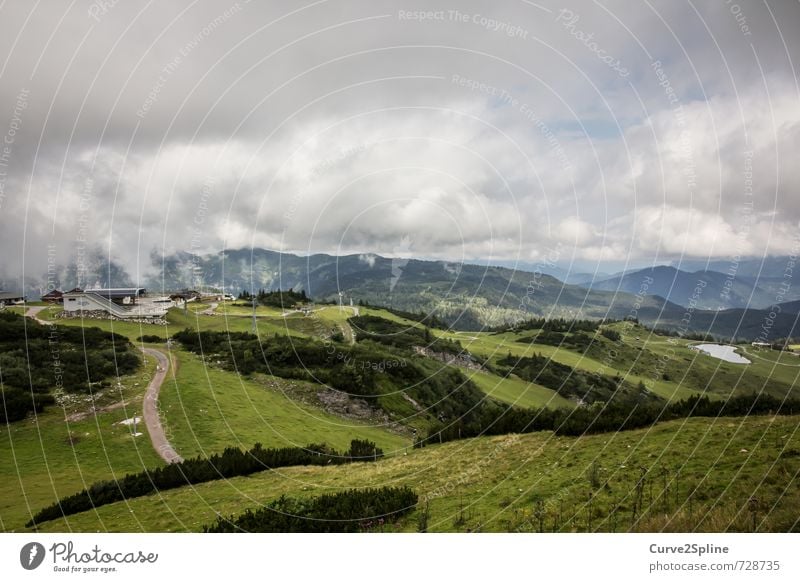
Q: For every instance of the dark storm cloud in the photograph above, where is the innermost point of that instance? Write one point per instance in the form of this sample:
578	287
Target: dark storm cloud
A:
470	129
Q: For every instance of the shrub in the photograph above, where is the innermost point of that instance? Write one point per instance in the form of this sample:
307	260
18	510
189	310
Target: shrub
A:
349	511
231	463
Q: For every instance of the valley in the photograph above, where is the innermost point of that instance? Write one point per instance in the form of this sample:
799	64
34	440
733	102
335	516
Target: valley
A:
327	375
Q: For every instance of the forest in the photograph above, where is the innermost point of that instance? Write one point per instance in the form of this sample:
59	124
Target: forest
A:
64	358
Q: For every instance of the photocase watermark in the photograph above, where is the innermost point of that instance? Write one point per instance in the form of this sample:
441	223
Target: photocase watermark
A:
319	169
569	20
66	558
471	473
739	17
528	113
401	254
509	29
32	555
780	296
691	306
549	261
52	266
611	354
684	325
379	366
169	69
744	231
7	147
197	230
686	149
85	202
100	8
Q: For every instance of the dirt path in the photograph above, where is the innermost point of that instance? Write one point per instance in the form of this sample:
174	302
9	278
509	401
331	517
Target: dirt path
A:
150	409
33	313
210	309
150	404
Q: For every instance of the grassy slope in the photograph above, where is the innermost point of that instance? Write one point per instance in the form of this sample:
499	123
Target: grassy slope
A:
517	391
493	484
44	459
691	372
234	412
208	409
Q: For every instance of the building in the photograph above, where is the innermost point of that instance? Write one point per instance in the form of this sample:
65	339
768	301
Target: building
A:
185	296
124	303
11	298
54	296
119	295
761	345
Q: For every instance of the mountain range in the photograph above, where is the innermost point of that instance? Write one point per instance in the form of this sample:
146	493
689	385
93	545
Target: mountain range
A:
476	296
716	290
472	297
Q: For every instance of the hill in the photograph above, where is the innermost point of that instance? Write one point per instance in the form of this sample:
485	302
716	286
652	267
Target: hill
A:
330	375
693	475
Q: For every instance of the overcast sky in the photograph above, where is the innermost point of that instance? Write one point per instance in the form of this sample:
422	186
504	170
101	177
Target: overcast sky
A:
480	130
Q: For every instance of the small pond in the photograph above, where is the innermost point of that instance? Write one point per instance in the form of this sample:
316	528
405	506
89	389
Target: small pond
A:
725	353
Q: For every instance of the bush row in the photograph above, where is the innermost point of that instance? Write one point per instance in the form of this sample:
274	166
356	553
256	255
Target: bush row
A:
349	511
613	417
232	462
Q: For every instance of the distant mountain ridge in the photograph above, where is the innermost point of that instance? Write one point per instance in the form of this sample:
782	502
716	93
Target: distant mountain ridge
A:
704	289
473	297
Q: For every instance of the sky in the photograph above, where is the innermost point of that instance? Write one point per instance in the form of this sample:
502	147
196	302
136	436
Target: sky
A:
578	132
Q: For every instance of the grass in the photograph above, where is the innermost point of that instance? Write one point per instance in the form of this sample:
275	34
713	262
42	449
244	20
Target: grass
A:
488	484
245	311
514	390
700	475
206	409
48	457
646	357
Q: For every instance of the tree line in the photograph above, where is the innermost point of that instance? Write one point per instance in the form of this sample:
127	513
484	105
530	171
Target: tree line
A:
354	510
400	336
443	391
558	324
36	359
232	462
612	417
280	299
429	319
572	383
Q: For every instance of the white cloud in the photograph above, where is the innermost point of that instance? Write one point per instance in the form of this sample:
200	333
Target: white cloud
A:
380	143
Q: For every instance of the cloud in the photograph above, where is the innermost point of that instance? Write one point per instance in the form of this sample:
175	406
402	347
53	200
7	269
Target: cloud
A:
345	127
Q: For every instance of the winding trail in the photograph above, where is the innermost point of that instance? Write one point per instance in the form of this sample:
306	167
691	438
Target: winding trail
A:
150	404
150	409
33	313
210	309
